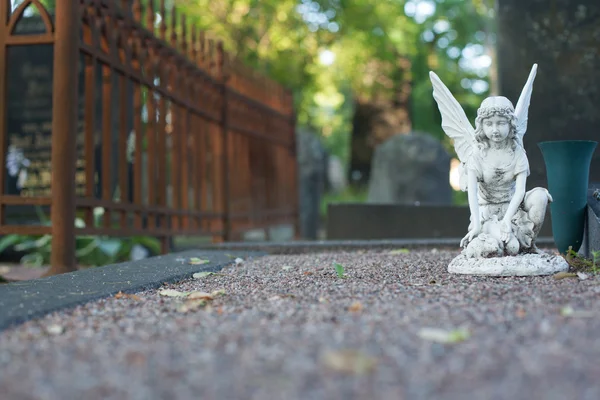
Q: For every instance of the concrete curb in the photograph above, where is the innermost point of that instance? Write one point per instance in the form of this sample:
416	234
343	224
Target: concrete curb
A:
22	301
297	247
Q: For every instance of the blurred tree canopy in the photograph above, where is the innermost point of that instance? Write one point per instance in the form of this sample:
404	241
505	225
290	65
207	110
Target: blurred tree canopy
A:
333	52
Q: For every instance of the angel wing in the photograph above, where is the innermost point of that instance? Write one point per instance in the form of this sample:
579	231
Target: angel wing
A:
454	120
522	108
455	124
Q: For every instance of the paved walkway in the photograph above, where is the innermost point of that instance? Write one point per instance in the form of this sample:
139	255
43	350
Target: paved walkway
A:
384	325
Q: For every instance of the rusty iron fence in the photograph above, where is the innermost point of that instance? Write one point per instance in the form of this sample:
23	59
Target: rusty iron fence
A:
146	118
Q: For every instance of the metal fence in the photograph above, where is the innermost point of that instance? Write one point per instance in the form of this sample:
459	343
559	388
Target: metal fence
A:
146	117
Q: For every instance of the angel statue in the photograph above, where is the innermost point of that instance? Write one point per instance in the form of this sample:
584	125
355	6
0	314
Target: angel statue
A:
505	219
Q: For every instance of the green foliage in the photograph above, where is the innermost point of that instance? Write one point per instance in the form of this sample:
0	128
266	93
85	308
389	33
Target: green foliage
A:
90	250
285	38
460	198
582	264
349	195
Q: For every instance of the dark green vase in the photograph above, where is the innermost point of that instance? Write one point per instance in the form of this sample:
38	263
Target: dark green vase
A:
568	171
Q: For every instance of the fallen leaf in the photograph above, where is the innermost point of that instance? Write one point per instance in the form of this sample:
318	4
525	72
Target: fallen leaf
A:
582	276
173	293
220	292
122	295
356	307
308	273
444	336
200	296
339	269
198	261
191	305
55	329
520	313
563	275
400	251
349	361
568	311
200	275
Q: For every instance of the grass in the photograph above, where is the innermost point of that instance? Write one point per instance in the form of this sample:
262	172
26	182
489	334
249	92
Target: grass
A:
583	264
349	195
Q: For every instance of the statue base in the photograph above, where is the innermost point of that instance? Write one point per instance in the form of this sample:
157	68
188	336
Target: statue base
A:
519	265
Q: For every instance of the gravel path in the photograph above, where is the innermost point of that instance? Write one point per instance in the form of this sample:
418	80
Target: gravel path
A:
287	327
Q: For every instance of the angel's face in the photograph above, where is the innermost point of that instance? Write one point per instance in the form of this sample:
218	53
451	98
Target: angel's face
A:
496	128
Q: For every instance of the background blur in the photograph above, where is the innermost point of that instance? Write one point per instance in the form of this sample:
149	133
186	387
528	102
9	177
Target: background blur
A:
359	69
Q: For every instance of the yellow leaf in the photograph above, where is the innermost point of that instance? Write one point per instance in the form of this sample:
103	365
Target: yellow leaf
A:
570	312
198	261
400	251
173	293
220	292
200	295
349	361
563	275
444	336
191	305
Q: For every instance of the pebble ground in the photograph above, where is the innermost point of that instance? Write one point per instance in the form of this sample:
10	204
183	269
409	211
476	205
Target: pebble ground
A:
288	327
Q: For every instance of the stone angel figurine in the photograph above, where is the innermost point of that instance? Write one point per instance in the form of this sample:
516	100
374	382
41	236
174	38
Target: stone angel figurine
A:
505	219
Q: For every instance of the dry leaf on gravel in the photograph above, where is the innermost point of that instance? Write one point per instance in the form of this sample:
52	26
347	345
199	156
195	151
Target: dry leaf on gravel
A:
582	276
356	307
570	312
55	329
563	275
444	336
399	251
173	293
198	261
200	275
122	295
199	296
219	292
349	361
191	305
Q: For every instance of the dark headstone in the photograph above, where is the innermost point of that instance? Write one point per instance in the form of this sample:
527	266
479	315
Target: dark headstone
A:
312	177
410	168
562	37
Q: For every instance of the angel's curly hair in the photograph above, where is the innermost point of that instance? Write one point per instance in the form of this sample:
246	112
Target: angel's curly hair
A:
488	112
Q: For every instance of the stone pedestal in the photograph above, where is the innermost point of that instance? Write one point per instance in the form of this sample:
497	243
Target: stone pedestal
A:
521	265
562	36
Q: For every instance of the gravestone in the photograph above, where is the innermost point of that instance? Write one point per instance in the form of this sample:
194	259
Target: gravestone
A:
336	174
29	122
410	169
311	181
562	36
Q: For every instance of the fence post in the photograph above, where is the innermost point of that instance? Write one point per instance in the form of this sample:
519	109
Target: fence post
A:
224	75
64	125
